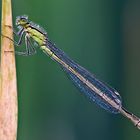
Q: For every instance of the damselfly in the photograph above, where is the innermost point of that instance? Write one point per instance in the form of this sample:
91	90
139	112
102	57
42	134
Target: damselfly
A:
97	91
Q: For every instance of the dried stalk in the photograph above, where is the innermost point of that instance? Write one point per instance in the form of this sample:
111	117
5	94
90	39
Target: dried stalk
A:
8	88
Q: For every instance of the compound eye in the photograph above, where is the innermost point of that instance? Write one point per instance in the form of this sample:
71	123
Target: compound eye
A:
23	20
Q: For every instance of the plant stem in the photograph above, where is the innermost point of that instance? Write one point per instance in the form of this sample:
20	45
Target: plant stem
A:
8	88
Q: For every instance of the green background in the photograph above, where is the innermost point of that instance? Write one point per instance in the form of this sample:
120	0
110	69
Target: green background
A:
101	35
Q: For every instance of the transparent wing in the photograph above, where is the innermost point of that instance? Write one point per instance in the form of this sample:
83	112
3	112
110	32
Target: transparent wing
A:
85	89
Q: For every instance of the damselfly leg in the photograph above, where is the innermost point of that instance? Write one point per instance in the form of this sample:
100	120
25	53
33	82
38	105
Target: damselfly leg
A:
30	50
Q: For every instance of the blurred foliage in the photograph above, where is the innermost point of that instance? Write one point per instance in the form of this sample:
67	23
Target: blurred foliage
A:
102	36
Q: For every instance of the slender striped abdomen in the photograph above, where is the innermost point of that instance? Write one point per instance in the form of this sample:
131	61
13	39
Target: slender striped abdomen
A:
103	95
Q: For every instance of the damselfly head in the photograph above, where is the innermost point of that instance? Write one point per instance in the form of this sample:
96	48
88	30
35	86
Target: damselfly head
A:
22	20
